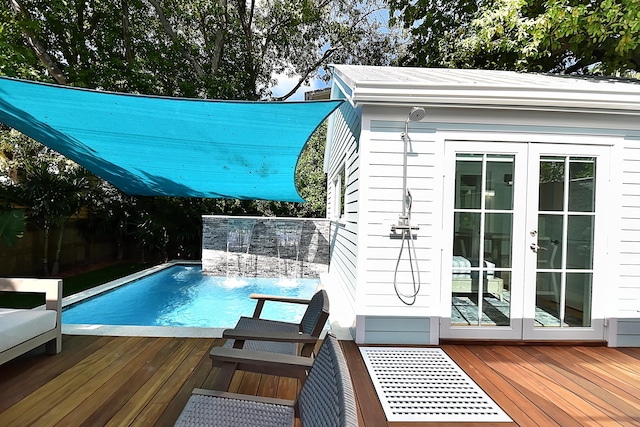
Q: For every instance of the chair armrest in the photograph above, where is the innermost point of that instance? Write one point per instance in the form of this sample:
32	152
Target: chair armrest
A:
280	298
260	358
52	288
227	395
241	335
274	298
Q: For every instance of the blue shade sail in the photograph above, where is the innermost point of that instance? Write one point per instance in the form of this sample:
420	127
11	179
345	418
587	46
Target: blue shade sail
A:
156	146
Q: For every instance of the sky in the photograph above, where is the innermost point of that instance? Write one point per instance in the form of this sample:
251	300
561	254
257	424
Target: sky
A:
285	84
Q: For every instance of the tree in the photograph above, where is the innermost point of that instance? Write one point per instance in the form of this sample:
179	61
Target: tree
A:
12	225
428	22
310	177
561	36
226	49
49	186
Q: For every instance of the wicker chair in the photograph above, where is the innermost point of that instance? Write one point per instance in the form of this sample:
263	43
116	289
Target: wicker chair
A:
259	345
325	400
254	333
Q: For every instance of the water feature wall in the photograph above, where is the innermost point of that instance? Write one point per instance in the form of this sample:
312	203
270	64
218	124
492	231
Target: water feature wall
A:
265	246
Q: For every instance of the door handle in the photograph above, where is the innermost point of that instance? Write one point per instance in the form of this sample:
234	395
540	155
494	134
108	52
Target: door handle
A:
535	248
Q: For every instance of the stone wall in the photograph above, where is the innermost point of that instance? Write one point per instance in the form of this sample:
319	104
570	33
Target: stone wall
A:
265	246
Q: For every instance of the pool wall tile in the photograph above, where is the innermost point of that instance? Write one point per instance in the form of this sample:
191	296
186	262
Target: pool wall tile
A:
265	247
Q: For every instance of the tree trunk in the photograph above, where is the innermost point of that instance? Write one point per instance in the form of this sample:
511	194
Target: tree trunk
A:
126	33
174	37
56	264
37	45
45	255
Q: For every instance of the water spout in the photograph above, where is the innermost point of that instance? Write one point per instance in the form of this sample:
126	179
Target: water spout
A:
288	235
239	236
271	247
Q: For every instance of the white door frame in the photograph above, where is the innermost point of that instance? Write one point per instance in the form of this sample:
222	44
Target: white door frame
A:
514	330
600	244
526	180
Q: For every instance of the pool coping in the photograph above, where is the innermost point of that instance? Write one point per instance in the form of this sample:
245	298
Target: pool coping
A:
134	331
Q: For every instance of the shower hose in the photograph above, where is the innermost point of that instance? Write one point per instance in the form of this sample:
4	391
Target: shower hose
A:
408	299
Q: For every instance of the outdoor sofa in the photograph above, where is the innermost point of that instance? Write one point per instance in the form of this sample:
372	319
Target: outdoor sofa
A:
22	330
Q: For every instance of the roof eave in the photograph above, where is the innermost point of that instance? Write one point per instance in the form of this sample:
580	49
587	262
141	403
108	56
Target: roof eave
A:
550	99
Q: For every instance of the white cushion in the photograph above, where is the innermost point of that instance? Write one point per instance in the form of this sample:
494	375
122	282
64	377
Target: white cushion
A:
18	326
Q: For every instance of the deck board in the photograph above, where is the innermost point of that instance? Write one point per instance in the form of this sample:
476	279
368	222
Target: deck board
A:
496	386
530	383
147	381
592	389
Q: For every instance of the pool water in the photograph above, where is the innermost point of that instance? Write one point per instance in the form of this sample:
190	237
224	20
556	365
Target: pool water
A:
182	296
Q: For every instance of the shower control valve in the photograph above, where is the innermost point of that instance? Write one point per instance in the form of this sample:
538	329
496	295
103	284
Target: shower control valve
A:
403	224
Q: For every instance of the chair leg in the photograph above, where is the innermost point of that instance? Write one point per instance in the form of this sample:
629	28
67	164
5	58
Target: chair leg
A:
54	346
225	375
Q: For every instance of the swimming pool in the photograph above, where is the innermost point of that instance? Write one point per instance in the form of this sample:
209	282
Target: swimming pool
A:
180	296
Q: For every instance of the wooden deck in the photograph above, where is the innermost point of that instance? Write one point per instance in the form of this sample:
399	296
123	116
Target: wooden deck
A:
98	381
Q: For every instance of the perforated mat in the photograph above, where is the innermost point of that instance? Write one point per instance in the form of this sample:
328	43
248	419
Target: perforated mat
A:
425	384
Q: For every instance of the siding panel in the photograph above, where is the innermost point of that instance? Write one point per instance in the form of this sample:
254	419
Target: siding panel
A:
391	330
384	205
629	332
628	295
343	154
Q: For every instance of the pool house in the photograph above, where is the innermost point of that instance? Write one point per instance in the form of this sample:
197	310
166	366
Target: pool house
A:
484	206
465	208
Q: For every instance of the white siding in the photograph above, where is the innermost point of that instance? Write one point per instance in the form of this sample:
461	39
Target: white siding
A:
343	155
627	301
628	333
382	206
394	330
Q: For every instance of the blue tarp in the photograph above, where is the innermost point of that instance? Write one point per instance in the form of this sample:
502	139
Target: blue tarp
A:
147	145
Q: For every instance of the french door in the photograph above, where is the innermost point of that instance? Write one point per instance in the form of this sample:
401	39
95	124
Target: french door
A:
526	241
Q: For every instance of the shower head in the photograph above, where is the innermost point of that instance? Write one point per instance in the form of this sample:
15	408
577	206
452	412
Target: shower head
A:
416	114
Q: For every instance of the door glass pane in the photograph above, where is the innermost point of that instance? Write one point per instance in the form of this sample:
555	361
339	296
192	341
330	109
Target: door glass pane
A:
469	183
497	239
582	173
580	242
466	237
482	240
551	184
550	230
548	286
565	242
499	187
578	299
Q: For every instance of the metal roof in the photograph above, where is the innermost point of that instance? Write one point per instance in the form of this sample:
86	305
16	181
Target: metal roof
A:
149	145
485	88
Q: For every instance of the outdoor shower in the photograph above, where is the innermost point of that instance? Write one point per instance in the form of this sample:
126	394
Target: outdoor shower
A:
404	227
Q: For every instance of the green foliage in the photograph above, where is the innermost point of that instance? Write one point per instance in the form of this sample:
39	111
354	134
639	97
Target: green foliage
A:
561	36
50	187
427	23
310	177
12	226
53	192
569	36
16	58
193	48
214	49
